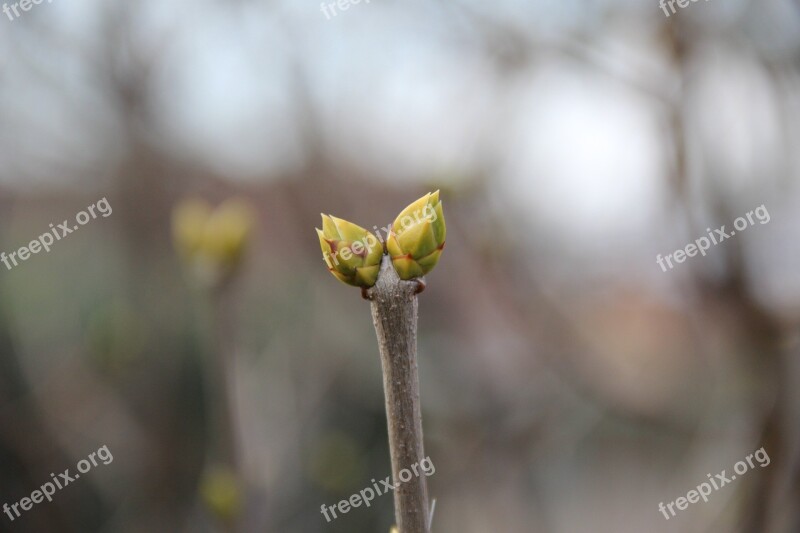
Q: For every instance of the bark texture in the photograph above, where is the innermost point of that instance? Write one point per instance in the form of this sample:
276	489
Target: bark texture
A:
394	314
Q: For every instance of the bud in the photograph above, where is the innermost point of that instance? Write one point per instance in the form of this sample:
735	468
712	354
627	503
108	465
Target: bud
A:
221	492
351	253
212	241
417	237
228	229
188	226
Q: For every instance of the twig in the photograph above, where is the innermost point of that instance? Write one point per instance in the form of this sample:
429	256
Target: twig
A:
394	314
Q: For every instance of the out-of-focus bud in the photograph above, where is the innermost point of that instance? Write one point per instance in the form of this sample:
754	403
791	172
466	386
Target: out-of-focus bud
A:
221	493
351	253
417	239
212	241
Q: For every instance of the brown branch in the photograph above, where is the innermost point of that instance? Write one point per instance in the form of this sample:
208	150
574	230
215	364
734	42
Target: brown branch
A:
394	314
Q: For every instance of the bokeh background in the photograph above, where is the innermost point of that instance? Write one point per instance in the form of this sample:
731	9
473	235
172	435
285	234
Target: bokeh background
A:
568	384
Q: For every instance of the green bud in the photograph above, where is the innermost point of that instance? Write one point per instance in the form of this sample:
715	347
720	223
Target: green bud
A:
417	239
352	254
212	241
221	492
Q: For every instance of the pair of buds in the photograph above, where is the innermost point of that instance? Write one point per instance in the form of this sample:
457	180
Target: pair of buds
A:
212	241
414	244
